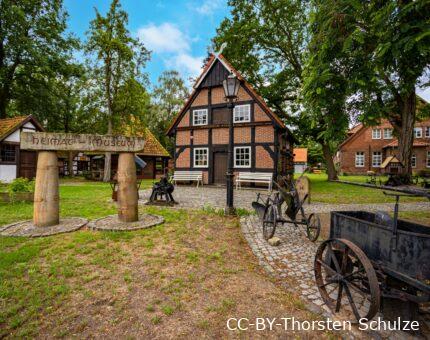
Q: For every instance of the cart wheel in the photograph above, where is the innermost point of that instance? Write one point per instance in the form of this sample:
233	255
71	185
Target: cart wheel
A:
313	227
348	281
269	222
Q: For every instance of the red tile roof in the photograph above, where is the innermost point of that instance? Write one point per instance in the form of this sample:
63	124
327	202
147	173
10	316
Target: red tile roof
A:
300	155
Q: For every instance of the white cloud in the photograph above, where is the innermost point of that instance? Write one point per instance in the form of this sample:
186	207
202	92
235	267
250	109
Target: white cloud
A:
164	38
186	64
209	6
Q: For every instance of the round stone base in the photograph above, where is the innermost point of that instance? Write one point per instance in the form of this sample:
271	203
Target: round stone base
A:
112	223
28	229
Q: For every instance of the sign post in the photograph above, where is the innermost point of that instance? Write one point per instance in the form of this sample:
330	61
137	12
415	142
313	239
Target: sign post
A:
46	196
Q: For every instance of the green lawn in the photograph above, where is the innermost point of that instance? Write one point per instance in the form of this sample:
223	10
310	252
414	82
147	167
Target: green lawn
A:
185	277
329	192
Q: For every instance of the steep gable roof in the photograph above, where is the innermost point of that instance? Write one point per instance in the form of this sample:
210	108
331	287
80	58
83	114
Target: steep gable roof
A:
10	125
210	63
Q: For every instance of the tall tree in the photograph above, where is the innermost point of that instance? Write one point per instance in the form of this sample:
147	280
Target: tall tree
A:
384	49
168	97
32	48
268	42
118	58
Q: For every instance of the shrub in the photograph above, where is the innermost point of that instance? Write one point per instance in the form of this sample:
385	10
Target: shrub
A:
20	185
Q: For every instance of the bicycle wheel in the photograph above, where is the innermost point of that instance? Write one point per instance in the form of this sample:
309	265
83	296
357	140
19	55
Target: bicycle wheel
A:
270	221
313	227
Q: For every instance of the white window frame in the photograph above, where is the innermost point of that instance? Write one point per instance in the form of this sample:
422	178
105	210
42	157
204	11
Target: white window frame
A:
235	154
361	154
236	115
379	156
374	134
200	112
427	131
207	157
390	136
416	129
414	161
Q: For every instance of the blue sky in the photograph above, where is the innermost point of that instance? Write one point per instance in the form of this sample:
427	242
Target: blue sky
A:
177	32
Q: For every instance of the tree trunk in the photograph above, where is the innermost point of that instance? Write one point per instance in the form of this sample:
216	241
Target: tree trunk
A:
108	94
328	157
71	155
3	102
405	135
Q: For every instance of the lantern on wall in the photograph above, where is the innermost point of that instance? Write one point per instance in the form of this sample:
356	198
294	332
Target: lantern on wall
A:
231	87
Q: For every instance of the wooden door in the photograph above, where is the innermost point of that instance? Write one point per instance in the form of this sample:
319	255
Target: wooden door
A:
220	167
27	164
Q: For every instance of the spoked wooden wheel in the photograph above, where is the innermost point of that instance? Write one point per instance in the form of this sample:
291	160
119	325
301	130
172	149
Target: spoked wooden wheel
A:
346	279
270	221
313	227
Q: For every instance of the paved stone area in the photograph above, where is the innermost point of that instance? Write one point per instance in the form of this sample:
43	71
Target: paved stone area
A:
209	196
112	223
28	229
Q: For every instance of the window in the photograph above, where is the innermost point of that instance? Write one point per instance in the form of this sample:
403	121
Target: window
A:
427	129
376	159
414	161
242	157
8	153
428	159
242	113
359	159
388	133
418	132
200	117
201	157
376	133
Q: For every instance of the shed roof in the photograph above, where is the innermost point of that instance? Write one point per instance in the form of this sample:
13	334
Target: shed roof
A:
9	125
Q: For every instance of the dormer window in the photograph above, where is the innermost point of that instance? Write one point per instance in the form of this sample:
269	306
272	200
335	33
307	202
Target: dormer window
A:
242	113
418	132
200	117
376	133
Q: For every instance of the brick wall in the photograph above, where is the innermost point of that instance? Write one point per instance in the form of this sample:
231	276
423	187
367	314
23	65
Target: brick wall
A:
185	121
220	136
264	134
218	96
183	137
200	137
242	135
262	158
260	115
201	99
183	161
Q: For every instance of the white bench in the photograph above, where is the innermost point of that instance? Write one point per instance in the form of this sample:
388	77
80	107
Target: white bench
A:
255	177
187	176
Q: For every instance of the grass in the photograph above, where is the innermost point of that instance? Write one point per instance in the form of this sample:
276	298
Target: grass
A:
323	191
185	277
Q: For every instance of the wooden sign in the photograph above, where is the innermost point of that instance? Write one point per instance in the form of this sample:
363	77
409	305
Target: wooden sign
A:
303	187
82	142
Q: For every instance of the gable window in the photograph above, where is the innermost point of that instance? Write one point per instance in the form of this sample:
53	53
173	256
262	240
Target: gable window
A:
376	133
376	159
418	132
242	157
388	133
427	128
201	158
359	159
242	113
8	153
200	117
414	161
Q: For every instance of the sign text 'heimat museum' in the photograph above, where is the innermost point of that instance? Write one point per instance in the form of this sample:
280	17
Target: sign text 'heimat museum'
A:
80	142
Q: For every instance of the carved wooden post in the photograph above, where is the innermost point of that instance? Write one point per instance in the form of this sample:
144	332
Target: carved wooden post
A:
127	189
46	195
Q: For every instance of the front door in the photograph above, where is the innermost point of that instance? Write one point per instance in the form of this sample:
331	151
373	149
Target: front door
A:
27	164
220	167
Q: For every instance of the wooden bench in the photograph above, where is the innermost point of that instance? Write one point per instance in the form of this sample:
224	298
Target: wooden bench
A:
188	176
254	177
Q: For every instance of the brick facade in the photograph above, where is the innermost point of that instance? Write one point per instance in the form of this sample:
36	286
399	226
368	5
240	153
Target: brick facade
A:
262	138
364	141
